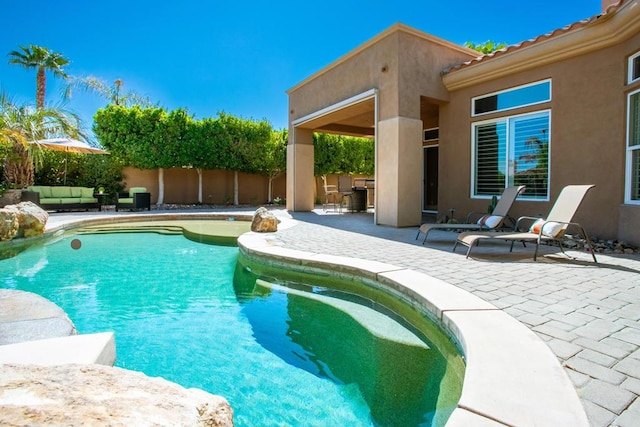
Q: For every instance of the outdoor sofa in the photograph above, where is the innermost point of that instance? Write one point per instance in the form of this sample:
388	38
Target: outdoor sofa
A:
59	198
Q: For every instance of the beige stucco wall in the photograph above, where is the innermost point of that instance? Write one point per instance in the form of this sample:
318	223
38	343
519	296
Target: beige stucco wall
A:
399	198
181	186
587	137
300	182
357	74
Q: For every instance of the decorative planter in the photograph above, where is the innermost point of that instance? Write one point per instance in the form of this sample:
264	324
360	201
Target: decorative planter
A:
10	197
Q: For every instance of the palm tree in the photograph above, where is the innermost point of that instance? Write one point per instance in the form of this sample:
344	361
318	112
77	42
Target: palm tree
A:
20	125
112	93
43	60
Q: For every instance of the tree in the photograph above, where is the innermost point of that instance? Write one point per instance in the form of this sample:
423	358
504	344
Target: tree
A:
241	146
151	138
489	46
145	138
43	60
327	151
21	124
274	159
112	93
343	154
199	148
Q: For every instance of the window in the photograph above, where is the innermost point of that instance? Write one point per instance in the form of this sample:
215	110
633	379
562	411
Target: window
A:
634	68
517	97
512	151
431	134
633	148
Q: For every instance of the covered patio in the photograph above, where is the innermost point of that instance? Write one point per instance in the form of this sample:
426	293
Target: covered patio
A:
389	89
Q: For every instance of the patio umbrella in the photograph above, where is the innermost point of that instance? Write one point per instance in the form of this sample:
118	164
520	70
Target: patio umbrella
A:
70	146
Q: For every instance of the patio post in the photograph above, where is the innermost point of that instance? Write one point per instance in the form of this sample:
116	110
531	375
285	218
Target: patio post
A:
300	180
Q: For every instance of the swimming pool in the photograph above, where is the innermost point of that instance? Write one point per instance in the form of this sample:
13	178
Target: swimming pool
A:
281	351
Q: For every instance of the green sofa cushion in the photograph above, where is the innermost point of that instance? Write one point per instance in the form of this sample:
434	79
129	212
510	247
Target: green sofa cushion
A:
50	201
44	190
86	192
134	190
69	200
76	191
61	192
122	200
88	200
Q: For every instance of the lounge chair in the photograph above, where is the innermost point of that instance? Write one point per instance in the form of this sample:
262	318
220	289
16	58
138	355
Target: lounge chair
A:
487	222
135	198
553	228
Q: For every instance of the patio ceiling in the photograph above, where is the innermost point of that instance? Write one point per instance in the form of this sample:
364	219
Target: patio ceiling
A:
353	120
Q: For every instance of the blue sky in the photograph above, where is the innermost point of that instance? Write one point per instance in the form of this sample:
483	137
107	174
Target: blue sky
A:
240	57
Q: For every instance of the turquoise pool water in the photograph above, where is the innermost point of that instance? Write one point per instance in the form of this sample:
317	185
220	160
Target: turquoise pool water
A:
282	353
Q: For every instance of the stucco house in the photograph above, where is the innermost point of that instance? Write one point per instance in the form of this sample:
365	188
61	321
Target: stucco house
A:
453	128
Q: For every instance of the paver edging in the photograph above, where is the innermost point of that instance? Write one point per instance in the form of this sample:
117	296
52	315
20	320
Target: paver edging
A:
516	399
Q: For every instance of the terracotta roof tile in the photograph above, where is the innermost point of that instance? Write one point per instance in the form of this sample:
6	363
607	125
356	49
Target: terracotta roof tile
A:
512	48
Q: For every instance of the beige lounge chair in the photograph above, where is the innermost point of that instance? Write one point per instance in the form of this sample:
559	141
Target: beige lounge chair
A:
495	220
553	228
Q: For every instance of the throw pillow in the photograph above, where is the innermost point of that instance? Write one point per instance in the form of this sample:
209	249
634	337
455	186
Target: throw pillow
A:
490	221
551	229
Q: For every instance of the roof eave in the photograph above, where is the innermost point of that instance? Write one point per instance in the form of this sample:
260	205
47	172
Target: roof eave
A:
603	32
395	28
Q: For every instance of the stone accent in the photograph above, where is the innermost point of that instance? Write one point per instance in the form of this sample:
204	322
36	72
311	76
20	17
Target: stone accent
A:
264	221
9	225
103	395
31	217
25	316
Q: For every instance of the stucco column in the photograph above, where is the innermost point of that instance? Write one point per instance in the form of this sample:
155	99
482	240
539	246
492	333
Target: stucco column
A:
399	172
300	180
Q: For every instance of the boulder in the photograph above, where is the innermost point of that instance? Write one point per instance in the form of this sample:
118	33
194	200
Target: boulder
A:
25	316
264	221
31	217
103	395
9	224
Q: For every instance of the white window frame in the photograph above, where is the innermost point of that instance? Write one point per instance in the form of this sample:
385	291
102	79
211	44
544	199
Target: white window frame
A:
424	132
629	154
473	100
630	69
472	186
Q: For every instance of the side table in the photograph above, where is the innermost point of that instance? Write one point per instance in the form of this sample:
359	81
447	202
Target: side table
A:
100	197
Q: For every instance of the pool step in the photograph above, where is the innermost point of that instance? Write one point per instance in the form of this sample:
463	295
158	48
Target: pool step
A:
159	229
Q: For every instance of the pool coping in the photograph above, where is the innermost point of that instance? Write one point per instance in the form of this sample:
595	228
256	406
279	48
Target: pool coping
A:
512	377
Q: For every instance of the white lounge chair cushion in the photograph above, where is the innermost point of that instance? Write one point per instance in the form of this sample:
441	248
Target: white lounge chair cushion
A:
550	229
490	221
